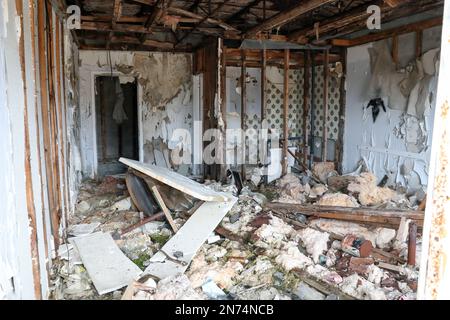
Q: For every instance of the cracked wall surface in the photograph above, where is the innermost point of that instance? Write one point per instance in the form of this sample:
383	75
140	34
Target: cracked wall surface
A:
398	143
164	101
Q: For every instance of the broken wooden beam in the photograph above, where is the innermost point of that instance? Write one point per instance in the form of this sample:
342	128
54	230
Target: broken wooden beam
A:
209	20
284	17
142	223
383	217
164	208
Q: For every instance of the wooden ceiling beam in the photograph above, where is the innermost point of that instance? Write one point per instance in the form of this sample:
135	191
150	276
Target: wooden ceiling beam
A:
117	12
412	8
339	21
243	11
207	19
377	36
148	42
284	17
393	3
121	19
106	26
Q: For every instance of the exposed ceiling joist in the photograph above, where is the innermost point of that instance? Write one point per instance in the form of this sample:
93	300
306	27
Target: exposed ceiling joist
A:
393	3
243	11
117	12
284	17
413	27
207	19
339	21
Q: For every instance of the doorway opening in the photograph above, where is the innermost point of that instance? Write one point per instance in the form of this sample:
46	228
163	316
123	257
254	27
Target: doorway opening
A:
117	124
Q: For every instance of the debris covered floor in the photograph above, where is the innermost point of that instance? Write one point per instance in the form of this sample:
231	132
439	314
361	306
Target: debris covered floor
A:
263	248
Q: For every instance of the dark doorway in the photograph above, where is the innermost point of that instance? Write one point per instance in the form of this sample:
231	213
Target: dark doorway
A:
117	124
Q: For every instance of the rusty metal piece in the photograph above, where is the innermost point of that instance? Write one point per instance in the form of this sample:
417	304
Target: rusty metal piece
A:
142	222
412	244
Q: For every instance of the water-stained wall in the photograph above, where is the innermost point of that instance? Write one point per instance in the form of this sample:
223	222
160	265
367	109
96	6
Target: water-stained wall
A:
164	101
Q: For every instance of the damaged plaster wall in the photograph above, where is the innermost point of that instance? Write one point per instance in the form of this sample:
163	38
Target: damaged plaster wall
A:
164	101
73	124
398	143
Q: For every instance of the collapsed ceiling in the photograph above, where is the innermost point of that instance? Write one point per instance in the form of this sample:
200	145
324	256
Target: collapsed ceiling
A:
181	25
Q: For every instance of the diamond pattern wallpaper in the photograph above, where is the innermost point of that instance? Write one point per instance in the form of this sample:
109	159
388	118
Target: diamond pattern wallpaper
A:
274	105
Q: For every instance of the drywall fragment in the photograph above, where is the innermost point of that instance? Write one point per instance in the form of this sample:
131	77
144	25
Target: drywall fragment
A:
291	258
315	242
188	239
122	205
83	229
274	233
177	287
176	181
107	266
343	228
338	200
384	237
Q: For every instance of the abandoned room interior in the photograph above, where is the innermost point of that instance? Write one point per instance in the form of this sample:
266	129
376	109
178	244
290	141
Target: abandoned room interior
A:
224	150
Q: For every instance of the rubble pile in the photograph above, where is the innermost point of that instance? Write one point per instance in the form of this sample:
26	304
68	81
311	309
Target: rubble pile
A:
257	253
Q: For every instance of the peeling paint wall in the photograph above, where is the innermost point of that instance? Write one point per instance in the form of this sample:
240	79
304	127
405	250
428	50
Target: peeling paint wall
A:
164	100
398	144
71	65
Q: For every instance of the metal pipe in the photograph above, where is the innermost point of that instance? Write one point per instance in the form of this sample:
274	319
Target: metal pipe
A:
412	244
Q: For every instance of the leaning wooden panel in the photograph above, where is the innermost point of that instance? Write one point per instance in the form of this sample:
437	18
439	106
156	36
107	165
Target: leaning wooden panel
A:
176	181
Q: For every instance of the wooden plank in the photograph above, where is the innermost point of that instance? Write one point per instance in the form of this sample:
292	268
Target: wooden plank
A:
285	111
342	111
306	105
188	240
105	263
359	215
419	43
336	22
263	83
243	110
284	17
164	208
326	75
60	115
35	261
186	13
45	119
55	142
176	181
376	36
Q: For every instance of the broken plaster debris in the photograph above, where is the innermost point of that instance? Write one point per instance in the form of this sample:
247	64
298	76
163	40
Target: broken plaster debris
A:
264	263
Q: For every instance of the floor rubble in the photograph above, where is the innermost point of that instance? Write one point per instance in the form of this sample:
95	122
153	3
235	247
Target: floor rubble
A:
259	253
